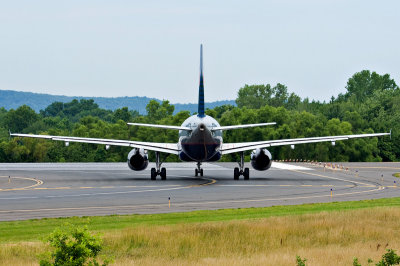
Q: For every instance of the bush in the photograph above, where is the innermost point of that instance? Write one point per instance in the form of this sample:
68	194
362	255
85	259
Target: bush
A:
300	262
355	262
74	246
388	259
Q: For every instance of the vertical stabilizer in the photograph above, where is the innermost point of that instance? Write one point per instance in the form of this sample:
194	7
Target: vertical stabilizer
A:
201	86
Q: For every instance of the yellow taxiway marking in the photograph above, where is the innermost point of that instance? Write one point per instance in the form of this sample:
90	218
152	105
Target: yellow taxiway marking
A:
44	188
103	187
106	187
211	181
38	182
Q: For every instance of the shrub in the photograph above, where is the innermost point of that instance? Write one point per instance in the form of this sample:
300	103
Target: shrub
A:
73	246
300	262
389	258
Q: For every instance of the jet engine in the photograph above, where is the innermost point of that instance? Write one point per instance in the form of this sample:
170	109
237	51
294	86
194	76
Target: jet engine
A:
138	159
261	159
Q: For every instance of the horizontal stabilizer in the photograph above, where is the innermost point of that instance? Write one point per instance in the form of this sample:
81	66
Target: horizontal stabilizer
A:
242	126
161	126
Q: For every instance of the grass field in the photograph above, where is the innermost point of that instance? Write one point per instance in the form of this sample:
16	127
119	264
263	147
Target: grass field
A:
322	233
397	175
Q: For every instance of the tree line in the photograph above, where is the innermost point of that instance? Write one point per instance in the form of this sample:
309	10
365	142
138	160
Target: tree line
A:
371	103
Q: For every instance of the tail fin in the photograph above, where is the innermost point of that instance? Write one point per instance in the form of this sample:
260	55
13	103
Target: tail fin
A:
201	86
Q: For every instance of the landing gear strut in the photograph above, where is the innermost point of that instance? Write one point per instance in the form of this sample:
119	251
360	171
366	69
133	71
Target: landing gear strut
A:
198	170
238	171
158	170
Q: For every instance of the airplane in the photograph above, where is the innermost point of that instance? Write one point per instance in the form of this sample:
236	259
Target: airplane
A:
200	140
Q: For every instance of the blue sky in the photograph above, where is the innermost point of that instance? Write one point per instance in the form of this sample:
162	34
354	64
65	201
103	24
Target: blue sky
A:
151	48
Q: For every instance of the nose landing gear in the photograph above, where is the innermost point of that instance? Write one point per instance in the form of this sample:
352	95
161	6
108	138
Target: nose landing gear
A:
238	171
198	170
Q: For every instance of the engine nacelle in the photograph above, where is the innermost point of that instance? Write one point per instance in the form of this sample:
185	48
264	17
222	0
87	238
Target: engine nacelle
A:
138	159
261	159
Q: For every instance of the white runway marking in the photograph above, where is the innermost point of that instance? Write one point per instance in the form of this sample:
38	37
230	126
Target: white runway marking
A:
284	166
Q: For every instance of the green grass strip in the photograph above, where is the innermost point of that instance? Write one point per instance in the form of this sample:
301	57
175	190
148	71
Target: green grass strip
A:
396	175
37	229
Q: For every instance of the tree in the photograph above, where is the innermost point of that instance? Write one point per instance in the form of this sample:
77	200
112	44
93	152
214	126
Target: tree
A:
122	114
293	101
280	95
53	109
257	96
156	111
379	111
363	84
254	96
21	118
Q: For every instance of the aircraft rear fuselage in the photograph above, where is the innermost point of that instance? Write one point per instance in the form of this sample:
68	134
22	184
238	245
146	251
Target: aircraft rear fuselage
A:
202	143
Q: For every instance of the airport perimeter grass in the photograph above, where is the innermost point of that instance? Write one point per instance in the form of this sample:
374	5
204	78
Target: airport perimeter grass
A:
36	229
325	234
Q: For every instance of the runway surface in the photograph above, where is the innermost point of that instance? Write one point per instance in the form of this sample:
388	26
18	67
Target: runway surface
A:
83	189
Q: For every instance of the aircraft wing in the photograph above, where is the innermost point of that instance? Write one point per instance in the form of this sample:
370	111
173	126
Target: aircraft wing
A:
171	148
242	126
246	146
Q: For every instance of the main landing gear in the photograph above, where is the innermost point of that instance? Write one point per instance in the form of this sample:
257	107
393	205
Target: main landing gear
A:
238	171
198	170
158	170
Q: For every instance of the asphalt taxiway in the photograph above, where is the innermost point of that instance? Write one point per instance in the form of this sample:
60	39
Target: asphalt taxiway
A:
31	190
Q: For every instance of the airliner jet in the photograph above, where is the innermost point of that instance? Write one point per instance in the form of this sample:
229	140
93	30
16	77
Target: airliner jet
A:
200	140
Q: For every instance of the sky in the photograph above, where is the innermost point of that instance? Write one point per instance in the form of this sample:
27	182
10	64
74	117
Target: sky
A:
151	48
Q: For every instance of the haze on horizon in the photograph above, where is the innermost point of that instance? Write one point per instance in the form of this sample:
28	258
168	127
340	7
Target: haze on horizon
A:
151	48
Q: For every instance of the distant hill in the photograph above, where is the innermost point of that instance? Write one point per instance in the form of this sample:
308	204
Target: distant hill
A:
38	101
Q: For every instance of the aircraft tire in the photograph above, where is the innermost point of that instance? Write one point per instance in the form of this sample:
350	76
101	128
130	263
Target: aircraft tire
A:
163	174
153	173
236	173
201	172
196	172
246	174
